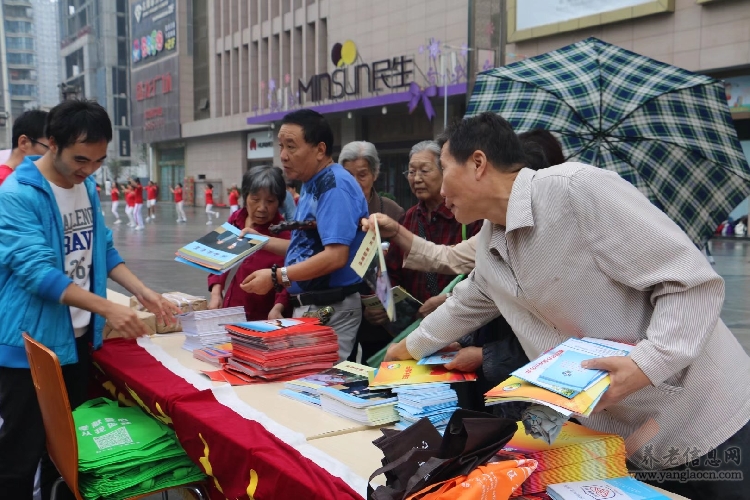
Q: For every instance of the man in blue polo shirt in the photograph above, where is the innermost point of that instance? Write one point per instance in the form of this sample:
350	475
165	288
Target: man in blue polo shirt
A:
318	261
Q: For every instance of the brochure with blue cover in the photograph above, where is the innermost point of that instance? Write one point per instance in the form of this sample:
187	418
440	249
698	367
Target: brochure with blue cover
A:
357	395
439	358
567	371
221	249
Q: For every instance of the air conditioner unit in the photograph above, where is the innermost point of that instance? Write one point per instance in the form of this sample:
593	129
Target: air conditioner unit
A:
203	104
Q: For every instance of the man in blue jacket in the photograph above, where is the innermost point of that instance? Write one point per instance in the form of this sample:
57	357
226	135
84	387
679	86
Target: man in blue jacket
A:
55	257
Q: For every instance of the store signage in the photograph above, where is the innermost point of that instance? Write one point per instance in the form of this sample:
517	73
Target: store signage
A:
155	106
536	13
259	145
386	74
153	28
147	89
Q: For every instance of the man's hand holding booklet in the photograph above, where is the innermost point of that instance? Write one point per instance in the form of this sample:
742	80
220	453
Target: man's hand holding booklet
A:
557	378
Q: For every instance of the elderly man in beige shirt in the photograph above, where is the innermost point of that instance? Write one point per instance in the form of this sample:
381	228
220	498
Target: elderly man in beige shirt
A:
681	399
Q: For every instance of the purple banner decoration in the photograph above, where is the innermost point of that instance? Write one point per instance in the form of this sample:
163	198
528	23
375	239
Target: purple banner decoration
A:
424	95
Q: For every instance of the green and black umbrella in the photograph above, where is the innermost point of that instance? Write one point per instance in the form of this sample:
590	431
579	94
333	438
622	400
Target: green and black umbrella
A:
665	129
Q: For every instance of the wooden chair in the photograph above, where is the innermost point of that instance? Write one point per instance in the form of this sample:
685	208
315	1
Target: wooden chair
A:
62	441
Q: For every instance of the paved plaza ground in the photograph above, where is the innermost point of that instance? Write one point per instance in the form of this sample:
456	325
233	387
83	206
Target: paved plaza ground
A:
150	254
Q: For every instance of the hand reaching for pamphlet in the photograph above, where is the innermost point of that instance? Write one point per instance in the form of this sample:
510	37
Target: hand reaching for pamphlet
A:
125	320
469	359
215	302
276	312
397	352
387	226
164	310
625	376
375	315
259	282
431	304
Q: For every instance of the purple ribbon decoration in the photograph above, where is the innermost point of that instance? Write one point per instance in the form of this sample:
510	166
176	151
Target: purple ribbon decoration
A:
424	95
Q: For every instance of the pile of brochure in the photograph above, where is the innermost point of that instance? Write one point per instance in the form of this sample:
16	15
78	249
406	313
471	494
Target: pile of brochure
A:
622	488
343	390
354	400
281	349
220	250
557	380
578	454
217	355
437	402
307	389
206	328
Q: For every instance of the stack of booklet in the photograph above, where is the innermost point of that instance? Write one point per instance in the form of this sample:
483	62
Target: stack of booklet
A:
343	390
620	488
206	328
436	402
578	454
217	355
556	378
220	250
281	349
307	389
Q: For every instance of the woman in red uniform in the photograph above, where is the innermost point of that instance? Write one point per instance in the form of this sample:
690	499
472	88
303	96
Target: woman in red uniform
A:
177	192
115	194
209	194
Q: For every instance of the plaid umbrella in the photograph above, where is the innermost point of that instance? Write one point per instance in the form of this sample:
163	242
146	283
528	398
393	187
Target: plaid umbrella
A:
666	130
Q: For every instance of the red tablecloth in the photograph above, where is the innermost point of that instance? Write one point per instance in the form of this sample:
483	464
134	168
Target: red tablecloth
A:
241	456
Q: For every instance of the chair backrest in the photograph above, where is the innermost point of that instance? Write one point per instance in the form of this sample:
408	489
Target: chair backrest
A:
62	441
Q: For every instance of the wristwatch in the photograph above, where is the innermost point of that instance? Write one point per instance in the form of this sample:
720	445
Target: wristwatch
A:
284	278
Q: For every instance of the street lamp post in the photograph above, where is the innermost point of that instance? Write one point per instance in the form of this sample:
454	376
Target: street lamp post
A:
443	71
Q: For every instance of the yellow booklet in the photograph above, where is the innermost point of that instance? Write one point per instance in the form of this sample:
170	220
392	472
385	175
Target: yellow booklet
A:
516	389
398	373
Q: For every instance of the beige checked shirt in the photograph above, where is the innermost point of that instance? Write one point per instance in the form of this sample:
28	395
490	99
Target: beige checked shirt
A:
584	253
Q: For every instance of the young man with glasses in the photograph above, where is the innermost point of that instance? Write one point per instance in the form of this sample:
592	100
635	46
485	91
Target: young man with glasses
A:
28	140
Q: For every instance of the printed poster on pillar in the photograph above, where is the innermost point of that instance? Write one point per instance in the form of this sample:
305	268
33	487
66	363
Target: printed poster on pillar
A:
153	30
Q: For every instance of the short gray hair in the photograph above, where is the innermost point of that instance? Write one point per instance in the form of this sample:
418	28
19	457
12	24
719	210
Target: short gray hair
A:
264	177
361	149
430	146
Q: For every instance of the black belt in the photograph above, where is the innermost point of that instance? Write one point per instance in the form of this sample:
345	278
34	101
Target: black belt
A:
323	297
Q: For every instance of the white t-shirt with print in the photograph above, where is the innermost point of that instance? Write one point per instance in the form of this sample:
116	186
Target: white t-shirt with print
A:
78	223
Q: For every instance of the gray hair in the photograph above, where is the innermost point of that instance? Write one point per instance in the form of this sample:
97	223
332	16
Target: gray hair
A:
361	149
430	146
264	177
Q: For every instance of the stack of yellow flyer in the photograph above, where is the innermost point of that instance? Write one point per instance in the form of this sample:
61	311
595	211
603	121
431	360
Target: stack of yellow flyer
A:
557	380
578	454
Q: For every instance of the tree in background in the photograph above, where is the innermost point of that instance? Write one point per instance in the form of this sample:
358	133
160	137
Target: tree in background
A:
115	168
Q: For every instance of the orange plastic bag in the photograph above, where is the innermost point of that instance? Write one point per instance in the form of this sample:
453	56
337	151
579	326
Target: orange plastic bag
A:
496	480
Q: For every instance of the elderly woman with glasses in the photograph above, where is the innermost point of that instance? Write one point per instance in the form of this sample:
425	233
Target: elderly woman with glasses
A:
360	158
263	191
431	220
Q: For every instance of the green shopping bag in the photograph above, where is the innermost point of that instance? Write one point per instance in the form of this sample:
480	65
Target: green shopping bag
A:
124	453
377	358
108	432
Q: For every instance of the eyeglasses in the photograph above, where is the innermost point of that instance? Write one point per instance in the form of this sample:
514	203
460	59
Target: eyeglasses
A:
423	172
34	141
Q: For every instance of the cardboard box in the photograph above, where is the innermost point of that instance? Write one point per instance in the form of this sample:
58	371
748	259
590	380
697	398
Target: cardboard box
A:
185	302
149	319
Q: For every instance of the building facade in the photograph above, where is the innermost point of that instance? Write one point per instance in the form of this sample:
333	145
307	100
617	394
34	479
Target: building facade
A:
380	71
28	60
94	54
705	36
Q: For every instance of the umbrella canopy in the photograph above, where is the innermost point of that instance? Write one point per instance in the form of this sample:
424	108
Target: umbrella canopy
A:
666	130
